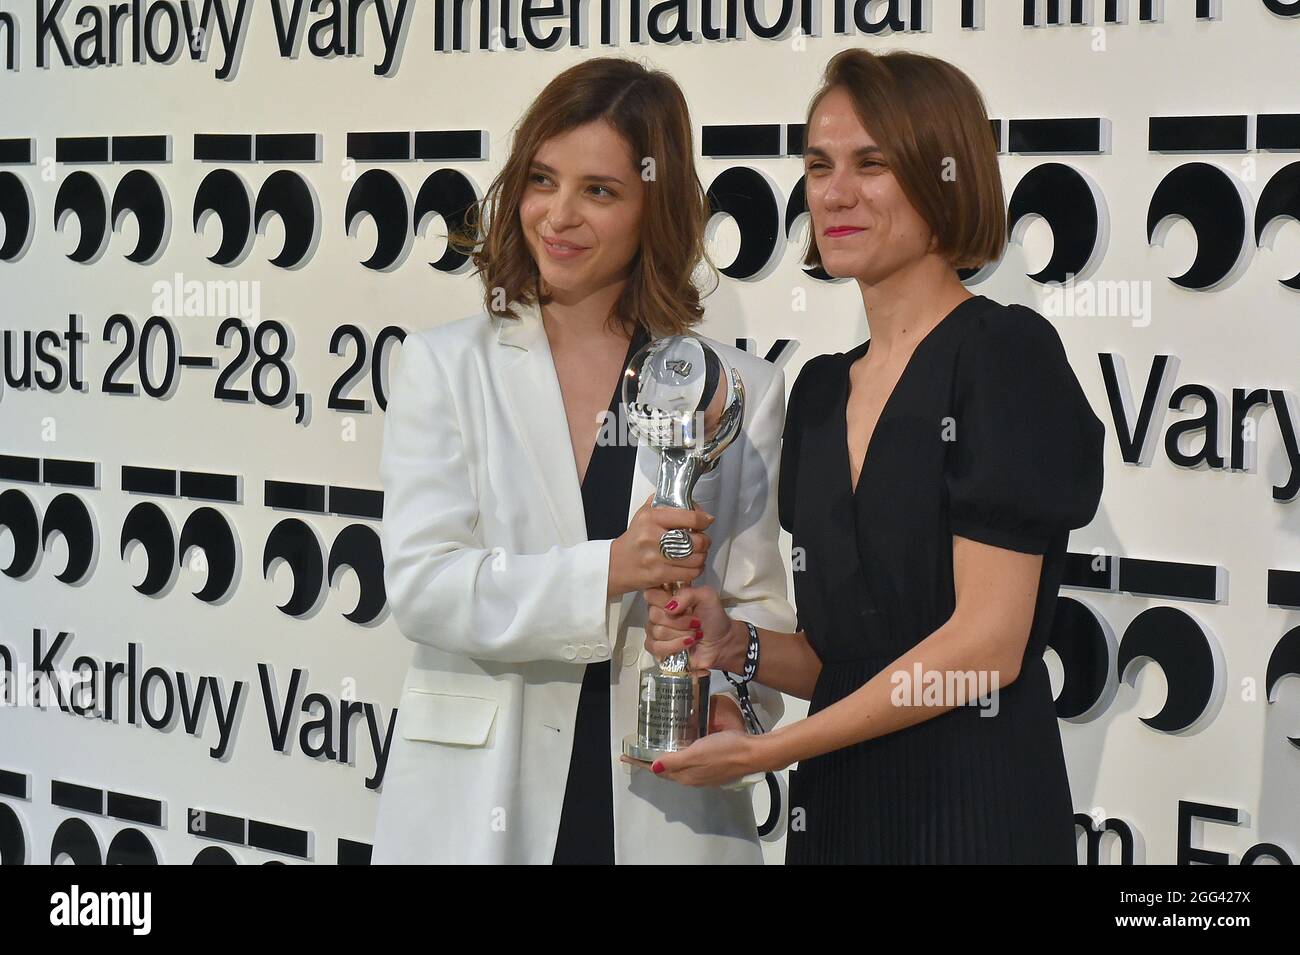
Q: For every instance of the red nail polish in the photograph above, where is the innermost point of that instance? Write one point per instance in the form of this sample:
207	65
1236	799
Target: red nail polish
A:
688	641
699	634
672	605
658	767
695	624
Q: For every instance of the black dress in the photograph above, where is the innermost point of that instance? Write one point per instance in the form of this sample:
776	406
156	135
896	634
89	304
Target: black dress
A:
988	436
586	834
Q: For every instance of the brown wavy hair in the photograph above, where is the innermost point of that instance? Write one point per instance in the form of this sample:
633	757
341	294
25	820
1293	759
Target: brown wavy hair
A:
926	115
646	107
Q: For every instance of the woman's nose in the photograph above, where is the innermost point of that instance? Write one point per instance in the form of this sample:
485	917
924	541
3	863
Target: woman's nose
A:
837	192
563	210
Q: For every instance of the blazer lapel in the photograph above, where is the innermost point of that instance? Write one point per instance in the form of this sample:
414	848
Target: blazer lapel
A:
537	406
532	392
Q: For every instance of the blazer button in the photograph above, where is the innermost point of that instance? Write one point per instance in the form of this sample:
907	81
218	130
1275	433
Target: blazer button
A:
584	651
602	651
569	651
631	655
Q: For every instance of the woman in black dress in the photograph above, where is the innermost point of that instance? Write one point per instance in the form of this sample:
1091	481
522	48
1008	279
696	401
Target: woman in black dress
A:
930	478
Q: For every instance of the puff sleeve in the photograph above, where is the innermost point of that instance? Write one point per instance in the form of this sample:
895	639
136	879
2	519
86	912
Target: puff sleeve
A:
790	442
1025	460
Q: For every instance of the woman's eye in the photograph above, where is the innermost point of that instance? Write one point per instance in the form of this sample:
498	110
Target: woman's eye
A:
537	177
604	193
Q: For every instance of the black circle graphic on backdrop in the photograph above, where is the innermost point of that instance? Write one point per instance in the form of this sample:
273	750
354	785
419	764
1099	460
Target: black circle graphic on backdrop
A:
745	195
294	542
797	206
68	515
287	195
1062	196
18	513
131	847
1283	8
1284	661
81	195
775	806
358	547
1079	641
208	530
16	213
1280	199
1208	199
447	193
214	855
224	194
76	840
13	843
1178	645
380	195
1269	850
149	524
141	195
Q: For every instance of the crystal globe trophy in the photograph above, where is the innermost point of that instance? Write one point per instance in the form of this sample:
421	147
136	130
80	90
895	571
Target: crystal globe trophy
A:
684	400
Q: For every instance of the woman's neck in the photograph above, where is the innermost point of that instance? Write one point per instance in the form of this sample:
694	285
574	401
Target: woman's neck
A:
584	317
903	307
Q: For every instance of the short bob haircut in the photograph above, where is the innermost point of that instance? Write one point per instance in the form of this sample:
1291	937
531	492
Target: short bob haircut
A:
646	107
932	127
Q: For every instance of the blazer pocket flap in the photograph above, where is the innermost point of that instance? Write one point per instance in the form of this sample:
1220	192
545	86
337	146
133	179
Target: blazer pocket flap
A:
447	717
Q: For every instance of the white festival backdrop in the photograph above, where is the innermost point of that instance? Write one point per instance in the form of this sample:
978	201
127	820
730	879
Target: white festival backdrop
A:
207	261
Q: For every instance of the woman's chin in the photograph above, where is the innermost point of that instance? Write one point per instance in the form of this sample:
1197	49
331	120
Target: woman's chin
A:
842	268
561	284
570	284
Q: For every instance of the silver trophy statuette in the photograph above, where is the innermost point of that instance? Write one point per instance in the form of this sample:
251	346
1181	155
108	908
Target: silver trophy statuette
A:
682	399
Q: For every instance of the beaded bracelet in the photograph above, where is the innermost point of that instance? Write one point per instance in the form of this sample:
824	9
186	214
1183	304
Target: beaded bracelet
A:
741	685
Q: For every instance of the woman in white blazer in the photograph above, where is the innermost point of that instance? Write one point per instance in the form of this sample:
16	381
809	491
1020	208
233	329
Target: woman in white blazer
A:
528	633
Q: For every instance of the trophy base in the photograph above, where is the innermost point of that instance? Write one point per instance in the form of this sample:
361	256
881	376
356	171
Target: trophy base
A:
673	713
634	749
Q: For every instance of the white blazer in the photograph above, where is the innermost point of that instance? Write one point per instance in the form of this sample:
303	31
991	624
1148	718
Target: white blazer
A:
489	571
